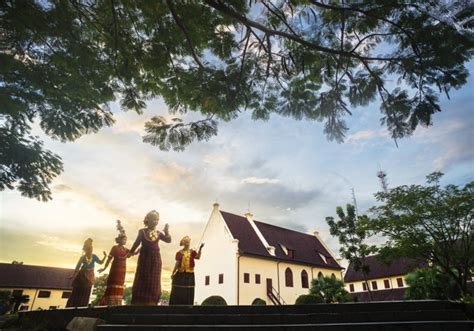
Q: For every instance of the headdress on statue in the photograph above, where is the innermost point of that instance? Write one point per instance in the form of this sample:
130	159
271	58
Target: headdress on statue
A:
87	244
151	216
121	230
185	238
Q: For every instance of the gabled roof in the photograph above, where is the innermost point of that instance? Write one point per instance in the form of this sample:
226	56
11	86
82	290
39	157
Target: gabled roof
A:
306	247
32	276
378	269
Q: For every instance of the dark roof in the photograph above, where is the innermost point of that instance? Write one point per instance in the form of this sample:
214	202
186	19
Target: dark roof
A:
306	247
379	269
393	294
32	276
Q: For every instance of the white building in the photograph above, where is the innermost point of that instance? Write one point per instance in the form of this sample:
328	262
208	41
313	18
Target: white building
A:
46	287
385	281
245	259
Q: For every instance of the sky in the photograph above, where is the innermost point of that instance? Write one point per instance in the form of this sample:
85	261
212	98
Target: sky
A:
284	171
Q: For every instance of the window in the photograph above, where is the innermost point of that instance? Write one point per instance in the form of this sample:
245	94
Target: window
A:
291	253
320	274
288	277
364	286
17	293
374	285
400	282
66	295
207	280
221	278
304	279
53	307
257	279
351	287
24	307
246	278
386	283
44	294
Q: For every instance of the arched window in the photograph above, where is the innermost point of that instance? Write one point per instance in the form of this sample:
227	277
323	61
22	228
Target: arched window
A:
304	279
320	274
333	275
288	277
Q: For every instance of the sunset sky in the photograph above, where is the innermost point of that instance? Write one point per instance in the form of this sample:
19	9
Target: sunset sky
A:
284	171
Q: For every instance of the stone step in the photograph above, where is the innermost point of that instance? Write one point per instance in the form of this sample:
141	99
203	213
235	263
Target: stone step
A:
288	309
379	326
197	319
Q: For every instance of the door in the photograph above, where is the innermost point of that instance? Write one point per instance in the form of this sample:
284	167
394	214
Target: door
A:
269	285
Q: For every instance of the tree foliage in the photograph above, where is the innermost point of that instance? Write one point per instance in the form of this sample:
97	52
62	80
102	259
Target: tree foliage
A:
329	289
63	62
100	285
432	223
352	234
430	283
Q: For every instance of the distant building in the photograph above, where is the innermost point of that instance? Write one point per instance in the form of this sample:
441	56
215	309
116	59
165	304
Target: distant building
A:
244	259
387	282
47	287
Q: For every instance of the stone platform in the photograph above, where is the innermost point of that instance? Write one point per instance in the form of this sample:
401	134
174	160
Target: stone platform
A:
374	316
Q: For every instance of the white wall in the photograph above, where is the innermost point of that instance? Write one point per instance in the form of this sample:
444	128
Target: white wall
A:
358	287
219	256
55	299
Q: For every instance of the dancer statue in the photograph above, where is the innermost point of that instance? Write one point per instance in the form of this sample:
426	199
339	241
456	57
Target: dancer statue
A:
115	282
83	277
183	283
147	283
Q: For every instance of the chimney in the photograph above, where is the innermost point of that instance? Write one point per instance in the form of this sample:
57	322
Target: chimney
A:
316	234
249	216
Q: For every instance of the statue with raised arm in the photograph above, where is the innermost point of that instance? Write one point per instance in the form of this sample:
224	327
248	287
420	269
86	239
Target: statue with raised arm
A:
183	283
115	282
83	277
147	283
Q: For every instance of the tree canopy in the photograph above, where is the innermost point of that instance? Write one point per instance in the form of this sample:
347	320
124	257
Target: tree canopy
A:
432	223
350	229
63	62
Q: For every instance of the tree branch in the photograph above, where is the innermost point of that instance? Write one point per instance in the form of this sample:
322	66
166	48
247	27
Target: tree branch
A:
186	34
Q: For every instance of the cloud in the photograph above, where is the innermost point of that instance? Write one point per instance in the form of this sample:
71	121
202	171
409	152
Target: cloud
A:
367	134
260	181
170	172
453	140
58	244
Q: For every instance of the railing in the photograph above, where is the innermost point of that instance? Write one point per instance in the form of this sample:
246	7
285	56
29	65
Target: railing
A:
275	297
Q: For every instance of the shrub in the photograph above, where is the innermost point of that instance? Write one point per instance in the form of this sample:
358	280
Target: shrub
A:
308	299
259	302
329	289
214	300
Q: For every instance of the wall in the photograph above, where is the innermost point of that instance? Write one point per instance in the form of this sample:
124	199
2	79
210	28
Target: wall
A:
276	271
55	298
380	284
219	256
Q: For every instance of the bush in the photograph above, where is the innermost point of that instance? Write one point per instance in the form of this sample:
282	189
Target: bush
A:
214	300
329	289
308	299
259	302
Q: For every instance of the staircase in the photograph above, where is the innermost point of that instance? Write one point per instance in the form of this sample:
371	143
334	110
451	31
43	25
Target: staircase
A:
274	296
375	316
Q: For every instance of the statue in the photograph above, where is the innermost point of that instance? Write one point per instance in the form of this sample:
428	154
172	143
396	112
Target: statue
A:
83	276
182	287
115	282
147	283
